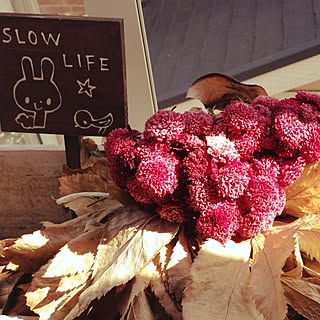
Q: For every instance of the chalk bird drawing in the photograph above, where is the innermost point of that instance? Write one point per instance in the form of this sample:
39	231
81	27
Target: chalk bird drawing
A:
83	119
37	96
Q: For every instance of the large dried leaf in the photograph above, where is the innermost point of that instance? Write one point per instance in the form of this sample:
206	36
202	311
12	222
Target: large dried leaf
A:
159	290
94	165
81	205
217	90
139	283
270	252
140	309
303	196
158	295
110	306
56	285
4	317
303	296
311	267
82	183
124	253
161	294
294	264
31	251
16	302
87	202
178	269
5	243
219	279
94	176
8	281
309	241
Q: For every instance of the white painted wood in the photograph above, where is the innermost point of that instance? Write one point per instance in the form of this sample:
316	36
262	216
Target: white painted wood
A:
51	139
292	76
6	6
140	88
23	6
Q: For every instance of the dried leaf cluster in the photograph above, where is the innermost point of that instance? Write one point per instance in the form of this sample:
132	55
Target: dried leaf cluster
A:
115	261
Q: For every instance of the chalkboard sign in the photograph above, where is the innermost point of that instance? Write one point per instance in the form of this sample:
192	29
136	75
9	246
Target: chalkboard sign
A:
62	75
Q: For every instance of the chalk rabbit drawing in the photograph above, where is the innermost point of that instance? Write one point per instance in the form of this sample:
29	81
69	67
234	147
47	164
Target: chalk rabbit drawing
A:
37	96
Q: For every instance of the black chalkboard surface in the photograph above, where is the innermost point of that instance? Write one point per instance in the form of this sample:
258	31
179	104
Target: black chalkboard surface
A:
62	75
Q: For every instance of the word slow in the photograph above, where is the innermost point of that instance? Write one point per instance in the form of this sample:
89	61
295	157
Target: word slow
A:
16	36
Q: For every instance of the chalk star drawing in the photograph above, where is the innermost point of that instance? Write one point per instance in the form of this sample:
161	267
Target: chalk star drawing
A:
85	87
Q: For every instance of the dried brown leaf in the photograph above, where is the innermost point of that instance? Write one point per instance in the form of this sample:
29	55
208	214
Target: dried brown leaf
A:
82	182
178	269
93	176
57	284
303	296
87	202
140	309
4	317
303	196
294	264
80	206
8	281
159	296
160	291
16	302
5	243
309	242
312	267
139	283
109	306
94	165
219	279
124	253
31	251
121	195
270	252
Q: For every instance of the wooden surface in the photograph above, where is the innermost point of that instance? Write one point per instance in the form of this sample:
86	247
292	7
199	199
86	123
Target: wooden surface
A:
29	180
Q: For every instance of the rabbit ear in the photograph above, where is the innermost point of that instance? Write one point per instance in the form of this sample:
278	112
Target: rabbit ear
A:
47	69
27	68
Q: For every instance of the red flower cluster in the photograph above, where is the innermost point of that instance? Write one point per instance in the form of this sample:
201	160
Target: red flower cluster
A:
224	174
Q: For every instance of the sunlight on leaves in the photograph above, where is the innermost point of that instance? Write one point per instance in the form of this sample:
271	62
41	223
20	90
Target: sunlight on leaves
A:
64	276
309	241
270	252
124	252
178	269
303	196
219	278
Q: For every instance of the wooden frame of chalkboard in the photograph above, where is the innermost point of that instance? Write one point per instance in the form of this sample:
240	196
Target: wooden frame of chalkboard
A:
62	75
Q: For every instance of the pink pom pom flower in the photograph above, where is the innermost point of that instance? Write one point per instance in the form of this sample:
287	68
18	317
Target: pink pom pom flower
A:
156	178
224	176
164	125
219	221
232	180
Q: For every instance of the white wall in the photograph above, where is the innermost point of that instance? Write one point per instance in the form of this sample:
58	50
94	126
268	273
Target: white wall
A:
6	6
140	88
